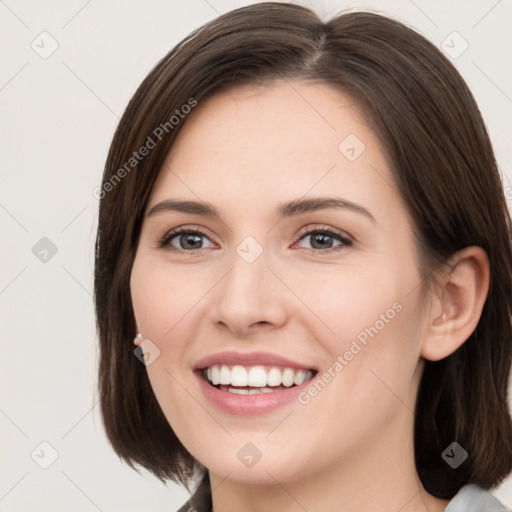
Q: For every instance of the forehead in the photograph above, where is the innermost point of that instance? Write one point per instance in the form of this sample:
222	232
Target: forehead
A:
251	116
250	145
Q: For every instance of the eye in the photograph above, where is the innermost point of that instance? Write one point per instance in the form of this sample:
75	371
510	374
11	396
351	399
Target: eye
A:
183	239
323	239
190	239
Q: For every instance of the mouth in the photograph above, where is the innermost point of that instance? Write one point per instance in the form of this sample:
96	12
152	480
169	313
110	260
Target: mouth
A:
254	380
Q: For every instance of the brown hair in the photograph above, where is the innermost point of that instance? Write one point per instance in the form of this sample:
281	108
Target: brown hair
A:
444	168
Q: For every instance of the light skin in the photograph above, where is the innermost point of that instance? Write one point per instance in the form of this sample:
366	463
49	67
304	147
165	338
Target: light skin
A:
245	151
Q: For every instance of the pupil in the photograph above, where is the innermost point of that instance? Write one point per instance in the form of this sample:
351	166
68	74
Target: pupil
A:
324	240
190	239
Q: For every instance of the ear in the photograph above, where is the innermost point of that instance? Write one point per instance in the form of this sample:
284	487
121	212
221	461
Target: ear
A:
454	316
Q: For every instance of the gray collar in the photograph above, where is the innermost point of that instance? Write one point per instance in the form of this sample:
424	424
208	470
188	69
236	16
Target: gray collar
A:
473	498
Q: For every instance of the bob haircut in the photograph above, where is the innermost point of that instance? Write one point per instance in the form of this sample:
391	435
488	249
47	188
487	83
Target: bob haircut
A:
443	166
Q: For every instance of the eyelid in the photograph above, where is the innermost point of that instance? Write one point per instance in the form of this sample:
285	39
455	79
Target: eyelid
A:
309	230
344	238
164	241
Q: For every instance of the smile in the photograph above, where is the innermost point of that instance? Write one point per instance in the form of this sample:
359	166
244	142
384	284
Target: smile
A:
254	380
254	383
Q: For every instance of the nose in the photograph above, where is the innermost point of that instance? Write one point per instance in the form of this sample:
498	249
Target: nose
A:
249	298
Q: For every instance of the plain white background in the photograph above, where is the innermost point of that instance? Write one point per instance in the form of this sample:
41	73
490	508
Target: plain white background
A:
59	113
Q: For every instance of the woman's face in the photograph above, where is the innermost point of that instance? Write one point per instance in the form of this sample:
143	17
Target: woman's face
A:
260	282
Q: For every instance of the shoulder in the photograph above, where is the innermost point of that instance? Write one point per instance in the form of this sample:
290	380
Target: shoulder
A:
201	500
473	498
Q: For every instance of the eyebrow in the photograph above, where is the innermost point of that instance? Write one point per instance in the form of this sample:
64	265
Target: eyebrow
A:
286	209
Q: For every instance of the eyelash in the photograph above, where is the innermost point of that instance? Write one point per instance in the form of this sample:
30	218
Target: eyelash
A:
345	240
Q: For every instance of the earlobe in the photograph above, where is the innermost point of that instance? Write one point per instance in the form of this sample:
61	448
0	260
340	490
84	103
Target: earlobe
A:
455	315
138	336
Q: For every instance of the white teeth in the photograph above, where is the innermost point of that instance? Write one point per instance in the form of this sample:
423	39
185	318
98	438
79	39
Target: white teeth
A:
215	375
288	377
300	377
274	377
255	377
245	391
238	376
240	391
225	375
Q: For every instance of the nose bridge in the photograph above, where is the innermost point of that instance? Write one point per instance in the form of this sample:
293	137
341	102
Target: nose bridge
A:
246	294
244	281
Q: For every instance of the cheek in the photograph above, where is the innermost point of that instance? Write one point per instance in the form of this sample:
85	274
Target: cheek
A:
370	374
168	303
163	296
345	299
366	320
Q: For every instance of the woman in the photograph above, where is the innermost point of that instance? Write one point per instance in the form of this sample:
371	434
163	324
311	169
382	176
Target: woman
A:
303	230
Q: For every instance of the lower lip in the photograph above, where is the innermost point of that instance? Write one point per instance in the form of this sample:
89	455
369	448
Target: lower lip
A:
249	405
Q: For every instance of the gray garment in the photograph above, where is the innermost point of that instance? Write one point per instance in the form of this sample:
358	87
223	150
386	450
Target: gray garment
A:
470	498
201	500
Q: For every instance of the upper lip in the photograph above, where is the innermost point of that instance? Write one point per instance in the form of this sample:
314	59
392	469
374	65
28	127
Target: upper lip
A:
249	359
